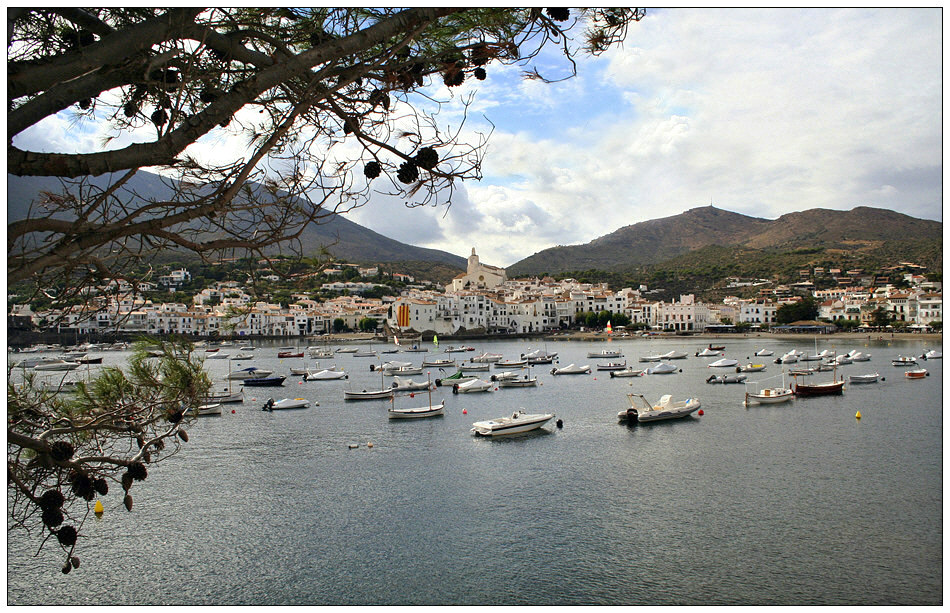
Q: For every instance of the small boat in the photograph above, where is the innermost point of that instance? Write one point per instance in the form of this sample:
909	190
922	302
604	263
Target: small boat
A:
438	362
605	353
511	363
204	410
641	411
933	354
738	378
88	360
360	353
34	362
459	349
265	381
390	365
571	369
662	368
286	403
458	377
224	397
419	412
857	356
475	367
723	363
539	356
408	385
320	354
416	349
486	358
627	372
707	352
827	388
506	375
471	387
817	357
917	373
403	371
242	356
751	368
674	355
218	356
841	360
212	350
290	354
904	361
347	350
517	423
801	372
789	358
764	352
612	366
651	358
869	378
367	395
771	395
251	372
326	374
393	350
527	381
57	365
717	347
245	347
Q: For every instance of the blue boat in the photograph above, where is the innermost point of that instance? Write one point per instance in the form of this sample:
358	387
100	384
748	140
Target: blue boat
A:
265	381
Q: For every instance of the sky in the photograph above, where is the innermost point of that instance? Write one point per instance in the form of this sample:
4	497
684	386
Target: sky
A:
758	111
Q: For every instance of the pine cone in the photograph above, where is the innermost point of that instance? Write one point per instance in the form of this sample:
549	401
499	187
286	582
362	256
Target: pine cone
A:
408	172
183	435
52	517
479	73
137	471
101	486
52	499
453	78
426	158
67	536
558	14
159	117
61	451
128	502
372	170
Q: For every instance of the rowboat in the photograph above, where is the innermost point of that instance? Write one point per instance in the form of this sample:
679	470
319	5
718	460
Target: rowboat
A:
204	410
265	381
290	354
438	362
527	381
475	367
418	412
367	395
224	397
627	372
869	378
327	374
511	363
917	373
518	422
486	358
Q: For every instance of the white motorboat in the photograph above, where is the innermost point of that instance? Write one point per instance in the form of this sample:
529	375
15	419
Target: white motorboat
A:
436	362
723	363
526	381
286	403
364	353
487	358
204	410
471	387
752	368
326	374
627	372
367	395
390	365
242	356
459	349
789	358
506	375
220	355
251	372
612	366
483	367
904	361
817	357
707	352
57	365
737	378
651	358
347	350
408	385
764	352
571	369
457	377
917	373
418	412
320	354
770	395
605	353
674	355
933	354
857	356
511	363
663	368
868	378
517	423
641	411
539	356
34	362
841	360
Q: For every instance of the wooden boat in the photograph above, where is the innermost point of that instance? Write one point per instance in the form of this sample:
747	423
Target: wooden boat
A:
418	412
224	397
612	366
772	395
641	411
518	422
605	353
367	395
869	378
290	354
828	388
204	410
264	381
511	363
627	372
436	362
475	367
917	373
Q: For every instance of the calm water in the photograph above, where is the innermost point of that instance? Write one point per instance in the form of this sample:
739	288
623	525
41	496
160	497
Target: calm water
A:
789	504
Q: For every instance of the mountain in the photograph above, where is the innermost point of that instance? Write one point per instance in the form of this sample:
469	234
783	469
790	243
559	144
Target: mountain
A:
651	243
342	237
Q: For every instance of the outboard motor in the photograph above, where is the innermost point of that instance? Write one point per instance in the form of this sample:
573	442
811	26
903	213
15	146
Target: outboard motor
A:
269	405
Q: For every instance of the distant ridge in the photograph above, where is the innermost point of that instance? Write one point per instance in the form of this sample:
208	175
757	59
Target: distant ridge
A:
658	240
343	238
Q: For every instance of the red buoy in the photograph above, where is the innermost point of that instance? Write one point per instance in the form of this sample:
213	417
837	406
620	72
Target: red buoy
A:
464	411
700	411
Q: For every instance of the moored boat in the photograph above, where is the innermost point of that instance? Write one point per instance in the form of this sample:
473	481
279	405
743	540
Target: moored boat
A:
285	403
511	363
518	422
367	395
224	397
627	372
605	353
487	358
902	360
663	368
917	373
471	387
57	365
264	381
770	395
827	388
205	410
251	372
436	362
707	352
933	354
327	374
869	378
408	385
723	363
642	411
763	352
571	369
612	366
290	354
483	367
418	412
751	368
526	381
737	378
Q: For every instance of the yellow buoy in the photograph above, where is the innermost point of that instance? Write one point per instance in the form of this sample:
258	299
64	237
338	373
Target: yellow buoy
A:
98	510
858	415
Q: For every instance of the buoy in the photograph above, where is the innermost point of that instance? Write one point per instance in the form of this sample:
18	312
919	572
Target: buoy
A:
412	395
464	411
299	382
353	445
232	411
369	444
559	423
701	412
98	508
858	414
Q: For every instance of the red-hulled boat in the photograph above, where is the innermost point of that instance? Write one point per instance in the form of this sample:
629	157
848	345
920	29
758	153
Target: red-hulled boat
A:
819	389
290	354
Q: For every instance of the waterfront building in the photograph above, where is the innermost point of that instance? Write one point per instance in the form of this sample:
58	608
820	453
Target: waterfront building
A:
478	276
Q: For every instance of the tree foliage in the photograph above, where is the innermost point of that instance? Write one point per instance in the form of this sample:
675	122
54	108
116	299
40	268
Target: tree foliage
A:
334	104
805	309
66	450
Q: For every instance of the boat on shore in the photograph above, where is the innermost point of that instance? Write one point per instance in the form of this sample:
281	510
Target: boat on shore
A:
642	411
518	422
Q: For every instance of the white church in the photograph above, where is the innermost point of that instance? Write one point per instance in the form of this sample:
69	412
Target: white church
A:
479	276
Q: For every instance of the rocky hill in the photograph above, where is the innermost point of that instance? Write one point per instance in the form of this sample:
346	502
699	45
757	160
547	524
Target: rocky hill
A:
826	233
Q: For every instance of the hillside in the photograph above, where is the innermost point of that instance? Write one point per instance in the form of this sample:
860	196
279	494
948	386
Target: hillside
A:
743	244
341	237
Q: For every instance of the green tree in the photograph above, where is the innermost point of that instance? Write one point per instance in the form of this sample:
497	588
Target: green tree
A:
367	324
881	317
803	310
339	325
